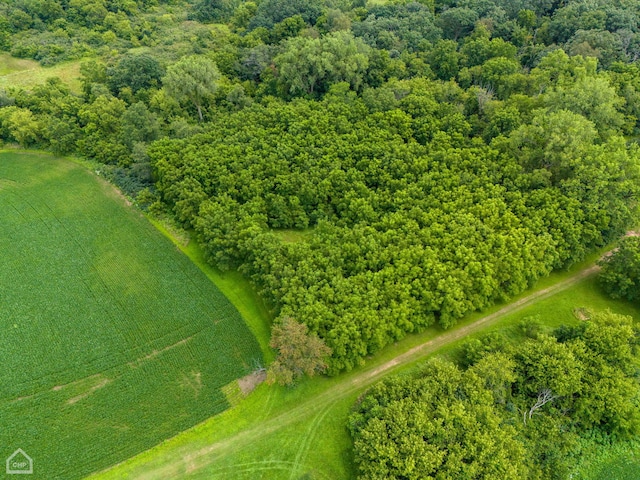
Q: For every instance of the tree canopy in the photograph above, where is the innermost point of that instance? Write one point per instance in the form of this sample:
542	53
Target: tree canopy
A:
514	413
373	168
192	78
299	353
620	275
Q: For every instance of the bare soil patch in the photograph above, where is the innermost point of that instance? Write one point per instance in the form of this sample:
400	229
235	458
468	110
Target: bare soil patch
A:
249	382
582	313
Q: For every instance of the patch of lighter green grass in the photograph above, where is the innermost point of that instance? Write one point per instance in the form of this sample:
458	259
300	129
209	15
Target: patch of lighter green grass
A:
620	461
9	64
293	236
16	72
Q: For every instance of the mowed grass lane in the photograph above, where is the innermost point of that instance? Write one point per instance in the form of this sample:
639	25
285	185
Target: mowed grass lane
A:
112	340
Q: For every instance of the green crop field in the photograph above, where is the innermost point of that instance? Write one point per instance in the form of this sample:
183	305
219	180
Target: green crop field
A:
112	339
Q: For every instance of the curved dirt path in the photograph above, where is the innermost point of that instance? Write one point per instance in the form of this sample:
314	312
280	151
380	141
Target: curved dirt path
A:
194	461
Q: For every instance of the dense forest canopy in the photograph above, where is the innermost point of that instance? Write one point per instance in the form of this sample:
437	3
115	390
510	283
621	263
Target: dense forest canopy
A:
373	167
620	275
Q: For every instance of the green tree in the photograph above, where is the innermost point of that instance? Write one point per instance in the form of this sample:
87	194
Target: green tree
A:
308	66
23	126
457	22
139	125
92	72
212	10
620	274
192	78
441	423
270	12
592	97
445	59
299	353
608	400
102	129
136	72
548	376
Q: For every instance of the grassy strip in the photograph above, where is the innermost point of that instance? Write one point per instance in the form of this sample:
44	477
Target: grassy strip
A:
15	72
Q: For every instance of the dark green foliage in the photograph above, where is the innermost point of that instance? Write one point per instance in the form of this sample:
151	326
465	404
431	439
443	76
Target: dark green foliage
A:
271	12
212	10
398	26
457	22
513	415
136	72
139	125
620	275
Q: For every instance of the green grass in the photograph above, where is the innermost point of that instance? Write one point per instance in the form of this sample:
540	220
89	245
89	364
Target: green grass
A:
17	72
234	286
112	339
626	466
293	236
620	461
280	433
9	64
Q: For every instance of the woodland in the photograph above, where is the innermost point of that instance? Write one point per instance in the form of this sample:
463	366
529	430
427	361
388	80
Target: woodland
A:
373	168
504	410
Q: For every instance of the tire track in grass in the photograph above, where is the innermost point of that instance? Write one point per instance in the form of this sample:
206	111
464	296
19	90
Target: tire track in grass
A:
250	467
208	455
308	440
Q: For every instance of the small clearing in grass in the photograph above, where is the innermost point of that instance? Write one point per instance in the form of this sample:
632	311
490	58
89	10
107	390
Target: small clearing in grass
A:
250	382
582	313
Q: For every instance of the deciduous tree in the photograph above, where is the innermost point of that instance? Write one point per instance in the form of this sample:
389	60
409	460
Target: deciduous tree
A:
620	275
192	78
299	353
